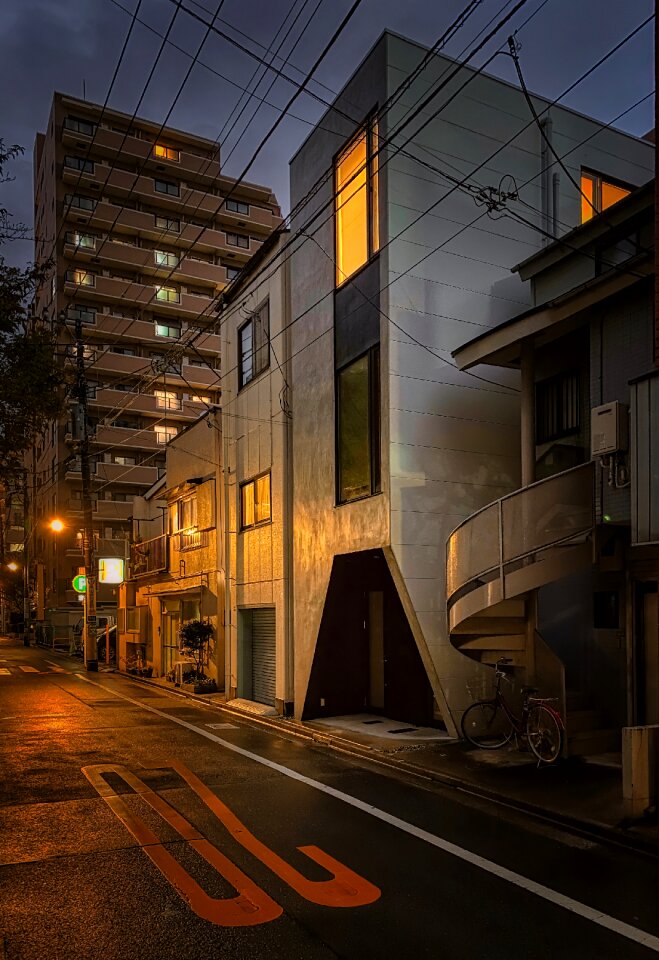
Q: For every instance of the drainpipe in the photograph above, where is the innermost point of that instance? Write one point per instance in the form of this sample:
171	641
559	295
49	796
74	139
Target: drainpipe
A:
527	419
288	497
656	190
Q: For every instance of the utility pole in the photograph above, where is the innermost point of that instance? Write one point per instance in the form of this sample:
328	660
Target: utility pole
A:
26	563
89	627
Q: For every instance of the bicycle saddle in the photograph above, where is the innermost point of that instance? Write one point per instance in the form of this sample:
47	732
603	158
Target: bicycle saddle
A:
529	690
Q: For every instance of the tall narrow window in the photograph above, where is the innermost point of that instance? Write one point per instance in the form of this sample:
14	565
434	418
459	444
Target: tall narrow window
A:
598	194
358	427
356	203
255	502
254	345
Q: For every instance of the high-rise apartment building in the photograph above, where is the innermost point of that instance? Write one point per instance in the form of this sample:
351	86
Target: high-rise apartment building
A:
142	236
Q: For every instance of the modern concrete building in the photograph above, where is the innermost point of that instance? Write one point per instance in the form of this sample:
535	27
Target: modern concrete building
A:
142	240
400	265
561	576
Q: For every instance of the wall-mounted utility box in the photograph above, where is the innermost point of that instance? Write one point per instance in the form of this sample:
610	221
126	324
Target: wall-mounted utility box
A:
609	428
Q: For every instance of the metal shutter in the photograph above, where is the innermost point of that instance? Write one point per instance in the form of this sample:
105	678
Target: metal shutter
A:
263	655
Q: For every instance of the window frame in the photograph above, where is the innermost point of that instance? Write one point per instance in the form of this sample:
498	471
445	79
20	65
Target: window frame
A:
242	382
235	208
239	237
166	223
166	154
373	354
369	128
165	288
253	482
167	184
561	382
164	429
168	399
598	179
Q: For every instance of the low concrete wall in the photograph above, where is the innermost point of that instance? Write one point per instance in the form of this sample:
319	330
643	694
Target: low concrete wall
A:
640	769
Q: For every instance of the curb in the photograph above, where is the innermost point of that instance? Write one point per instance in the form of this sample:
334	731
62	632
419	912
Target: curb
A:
589	829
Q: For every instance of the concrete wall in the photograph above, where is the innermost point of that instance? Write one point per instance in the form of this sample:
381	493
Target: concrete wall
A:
255	427
450	441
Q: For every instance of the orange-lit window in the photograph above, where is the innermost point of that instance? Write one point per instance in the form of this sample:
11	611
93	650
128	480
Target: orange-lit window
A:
255	502
166	153
598	194
356	203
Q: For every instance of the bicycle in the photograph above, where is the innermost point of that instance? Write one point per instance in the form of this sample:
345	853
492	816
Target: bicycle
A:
490	724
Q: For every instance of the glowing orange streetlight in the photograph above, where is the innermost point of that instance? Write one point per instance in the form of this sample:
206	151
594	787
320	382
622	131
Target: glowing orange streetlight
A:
56	525
13	566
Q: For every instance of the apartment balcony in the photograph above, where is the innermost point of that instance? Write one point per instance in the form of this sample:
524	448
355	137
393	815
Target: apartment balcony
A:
149	556
113	510
138	475
527	539
103	547
110	143
108	328
99	289
129	438
122	255
143	403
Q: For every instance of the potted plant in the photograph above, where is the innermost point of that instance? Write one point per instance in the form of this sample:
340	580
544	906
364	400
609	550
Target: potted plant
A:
195	636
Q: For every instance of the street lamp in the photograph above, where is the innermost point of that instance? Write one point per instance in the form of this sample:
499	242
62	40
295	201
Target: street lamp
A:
56	525
13	566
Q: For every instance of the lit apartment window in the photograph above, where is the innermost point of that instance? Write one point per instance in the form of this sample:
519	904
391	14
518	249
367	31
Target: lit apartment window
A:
237	206
164	258
232	272
164	433
166	186
82	313
356	204
168	294
200	398
79	126
124	461
78	163
254	345
165	153
171	330
255	502
85	241
80	203
557	407
167	400
82	278
358	427
238	240
168	223
598	194
184	514
199	291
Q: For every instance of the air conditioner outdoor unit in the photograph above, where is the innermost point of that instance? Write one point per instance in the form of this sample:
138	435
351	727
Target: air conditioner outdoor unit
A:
609	428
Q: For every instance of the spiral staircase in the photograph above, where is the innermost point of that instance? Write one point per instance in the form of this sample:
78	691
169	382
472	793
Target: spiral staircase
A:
496	561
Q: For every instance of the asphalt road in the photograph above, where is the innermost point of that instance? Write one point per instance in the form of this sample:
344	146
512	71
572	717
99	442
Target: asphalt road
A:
138	825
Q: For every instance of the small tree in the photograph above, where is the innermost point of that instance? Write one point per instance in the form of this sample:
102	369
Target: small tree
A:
195	636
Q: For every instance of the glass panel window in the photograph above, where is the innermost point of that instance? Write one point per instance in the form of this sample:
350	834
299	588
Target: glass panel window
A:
358	428
598	194
168	223
557	407
79	126
168	294
237	240
84	314
168	330
356	204
165	259
124	461
83	278
165	153
86	241
187	513
167	400
232	272
254	345
200	398
164	433
78	163
255	501
81	203
237	206
166	186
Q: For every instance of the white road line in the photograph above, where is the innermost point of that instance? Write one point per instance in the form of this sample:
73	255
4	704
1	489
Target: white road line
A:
4	671
29	669
488	866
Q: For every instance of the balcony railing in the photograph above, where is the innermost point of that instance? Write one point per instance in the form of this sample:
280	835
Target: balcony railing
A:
149	556
518	528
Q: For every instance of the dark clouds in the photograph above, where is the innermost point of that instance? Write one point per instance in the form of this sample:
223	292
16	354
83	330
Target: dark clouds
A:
48	45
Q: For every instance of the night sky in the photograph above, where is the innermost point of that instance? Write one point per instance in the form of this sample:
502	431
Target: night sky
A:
48	45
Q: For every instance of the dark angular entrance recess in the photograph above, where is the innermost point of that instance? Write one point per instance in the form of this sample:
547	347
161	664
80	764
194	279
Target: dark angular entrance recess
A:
366	659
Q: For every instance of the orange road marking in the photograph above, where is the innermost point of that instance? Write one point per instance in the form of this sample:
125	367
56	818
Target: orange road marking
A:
29	669
252	906
345	889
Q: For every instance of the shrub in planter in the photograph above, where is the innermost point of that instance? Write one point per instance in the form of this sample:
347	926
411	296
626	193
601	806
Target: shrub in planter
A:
195	637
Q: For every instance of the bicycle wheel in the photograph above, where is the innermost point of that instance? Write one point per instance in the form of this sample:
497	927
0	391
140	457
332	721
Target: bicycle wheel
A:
486	725
544	733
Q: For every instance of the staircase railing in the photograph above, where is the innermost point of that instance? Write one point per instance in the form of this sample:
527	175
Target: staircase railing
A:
498	543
